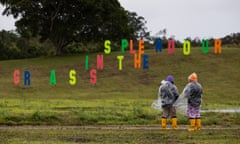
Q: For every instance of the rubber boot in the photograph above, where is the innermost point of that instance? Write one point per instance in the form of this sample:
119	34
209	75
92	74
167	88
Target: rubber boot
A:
198	124
192	125
164	123
174	123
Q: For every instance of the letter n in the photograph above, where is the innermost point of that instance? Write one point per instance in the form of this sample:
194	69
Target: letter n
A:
158	44
100	62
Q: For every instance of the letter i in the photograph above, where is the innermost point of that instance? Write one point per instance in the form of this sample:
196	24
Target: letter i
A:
86	63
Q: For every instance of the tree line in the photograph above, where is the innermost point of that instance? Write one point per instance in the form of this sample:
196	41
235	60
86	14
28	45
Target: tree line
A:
60	27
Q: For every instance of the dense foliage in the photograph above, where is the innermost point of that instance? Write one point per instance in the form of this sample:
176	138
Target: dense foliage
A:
66	23
60	27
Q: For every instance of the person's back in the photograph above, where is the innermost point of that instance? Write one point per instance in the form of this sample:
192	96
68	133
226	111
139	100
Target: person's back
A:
168	93
195	94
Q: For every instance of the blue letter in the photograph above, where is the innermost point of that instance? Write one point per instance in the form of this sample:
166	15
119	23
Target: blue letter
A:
158	45
145	62
27	80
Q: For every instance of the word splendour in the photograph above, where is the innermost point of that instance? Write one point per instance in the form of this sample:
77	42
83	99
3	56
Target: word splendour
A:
139	59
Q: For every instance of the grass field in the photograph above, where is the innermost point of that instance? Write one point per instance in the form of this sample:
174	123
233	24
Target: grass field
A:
119	97
94	136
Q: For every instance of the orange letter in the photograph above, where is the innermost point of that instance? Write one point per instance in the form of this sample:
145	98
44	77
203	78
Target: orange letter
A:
137	61
141	47
217	46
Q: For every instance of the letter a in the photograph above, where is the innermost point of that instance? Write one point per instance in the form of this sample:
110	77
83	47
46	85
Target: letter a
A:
53	80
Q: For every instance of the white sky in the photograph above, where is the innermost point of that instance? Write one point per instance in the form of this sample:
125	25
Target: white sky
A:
182	18
6	23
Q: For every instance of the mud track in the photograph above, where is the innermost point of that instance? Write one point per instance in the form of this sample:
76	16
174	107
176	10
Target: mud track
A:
181	127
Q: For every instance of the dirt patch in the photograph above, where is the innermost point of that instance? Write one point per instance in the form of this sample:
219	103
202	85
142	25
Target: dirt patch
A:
181	127
79	140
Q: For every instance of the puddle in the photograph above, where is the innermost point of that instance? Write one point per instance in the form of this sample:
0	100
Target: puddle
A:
222	111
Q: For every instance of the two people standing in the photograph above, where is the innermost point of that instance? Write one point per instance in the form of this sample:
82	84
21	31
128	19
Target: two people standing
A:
168	93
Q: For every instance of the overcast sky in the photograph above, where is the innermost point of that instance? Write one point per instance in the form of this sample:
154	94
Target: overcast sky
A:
182	18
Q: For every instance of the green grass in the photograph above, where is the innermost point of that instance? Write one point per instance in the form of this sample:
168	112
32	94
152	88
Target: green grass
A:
94	136
119	97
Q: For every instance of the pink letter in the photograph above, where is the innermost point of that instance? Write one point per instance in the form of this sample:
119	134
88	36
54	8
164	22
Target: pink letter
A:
93	76
132	51
100	62
171	46
16	77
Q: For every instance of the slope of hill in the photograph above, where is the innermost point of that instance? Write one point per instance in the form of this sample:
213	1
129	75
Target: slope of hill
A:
119	97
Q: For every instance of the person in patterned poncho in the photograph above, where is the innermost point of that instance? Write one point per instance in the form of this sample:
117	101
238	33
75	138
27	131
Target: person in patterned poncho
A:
193	93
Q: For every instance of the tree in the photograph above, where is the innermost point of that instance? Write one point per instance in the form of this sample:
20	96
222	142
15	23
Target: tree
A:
64	21
138	25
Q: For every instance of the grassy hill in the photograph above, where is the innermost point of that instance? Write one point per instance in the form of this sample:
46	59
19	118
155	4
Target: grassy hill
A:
119	97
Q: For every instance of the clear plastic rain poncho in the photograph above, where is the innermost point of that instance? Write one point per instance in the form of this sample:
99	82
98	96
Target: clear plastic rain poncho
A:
180	104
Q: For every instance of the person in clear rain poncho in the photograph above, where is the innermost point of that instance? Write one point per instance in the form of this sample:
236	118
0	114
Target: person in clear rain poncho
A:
193	93
168	94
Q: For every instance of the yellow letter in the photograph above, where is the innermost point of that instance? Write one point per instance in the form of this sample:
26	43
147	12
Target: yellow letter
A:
107	46
120	58
72	76
186	47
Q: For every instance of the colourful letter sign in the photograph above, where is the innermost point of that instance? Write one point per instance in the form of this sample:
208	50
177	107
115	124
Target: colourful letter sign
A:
100	62
27	78
158	45
145	62
86	63
72	77
120	59
107	46
171	46
204	46
93	76
132	51
217	46
186	47
16	77
124	45
53	80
